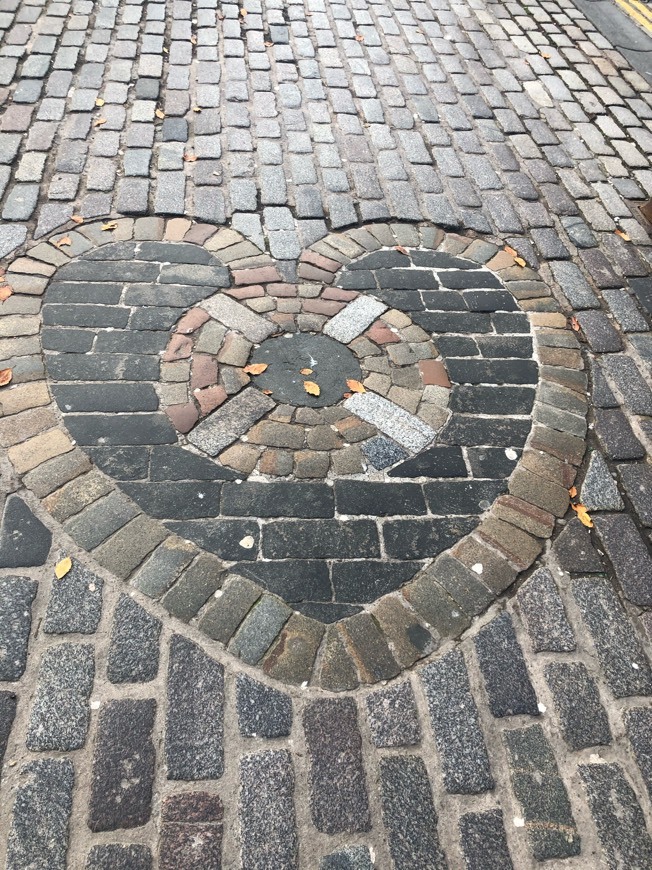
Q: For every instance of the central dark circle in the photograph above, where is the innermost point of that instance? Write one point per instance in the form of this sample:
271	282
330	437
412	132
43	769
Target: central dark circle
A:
332	365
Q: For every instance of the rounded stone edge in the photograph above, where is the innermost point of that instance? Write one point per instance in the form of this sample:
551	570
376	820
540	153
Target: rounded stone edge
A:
398	629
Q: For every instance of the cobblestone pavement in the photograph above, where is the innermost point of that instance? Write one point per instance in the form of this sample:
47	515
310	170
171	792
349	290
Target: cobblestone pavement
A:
323	320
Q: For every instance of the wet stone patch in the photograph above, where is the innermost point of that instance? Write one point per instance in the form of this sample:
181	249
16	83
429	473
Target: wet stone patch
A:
297	445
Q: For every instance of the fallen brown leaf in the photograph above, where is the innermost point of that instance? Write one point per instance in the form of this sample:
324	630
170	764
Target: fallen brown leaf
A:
190	158
623	235
77	219
5	377
311	388
62	567
267	392
64	242
255	369
99	121
544	54
572	491
305	372
5	292
511	251
400	249
359	37
574	323
347	395
355	386
583	515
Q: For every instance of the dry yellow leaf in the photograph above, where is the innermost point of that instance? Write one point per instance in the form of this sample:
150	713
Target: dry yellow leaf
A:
63	242
311	388
623	235
305	372
193	40
519	261
99	121
77	219
196	109
5	292
572	491
583	515
112	225
355	386
243	13
62	567
99	102
5	377
159	113
255	369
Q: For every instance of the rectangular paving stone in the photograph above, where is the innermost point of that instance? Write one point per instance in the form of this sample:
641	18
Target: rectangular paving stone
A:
307	500
259	629
409	814
614	637
162	568
60	712
194	587
8	702
266	811
583	719
379	499
409	431
191	831
320	539
637	480
126	549
75	603
230	421
115	856
369	649
483	841
134	645
617	815
504	671
262	710
393	717
104	517
236	316
551	828
638	722
338	791
544	615
292	657
354	319
38	836
456	725
194	729
123	743
629	556
16	596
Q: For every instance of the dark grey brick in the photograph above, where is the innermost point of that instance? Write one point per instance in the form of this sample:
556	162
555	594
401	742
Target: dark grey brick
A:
600	332
75	602
638	722
262	710
614	638
616	435
456	724
392	716
121	429
194	587
266	810
24	540
60	713
630	383
320	539
549	822
118	857
194	722
503	667
8	702
617	816
259	629
39	826
637	480
278	500
338	792
544	615
483	840
134	647
629	556
574	550
577	700
379	499
16	596
409	814
219	536
348	858
104	517
123	743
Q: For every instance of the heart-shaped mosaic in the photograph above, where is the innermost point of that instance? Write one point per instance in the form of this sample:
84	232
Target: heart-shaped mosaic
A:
326	428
